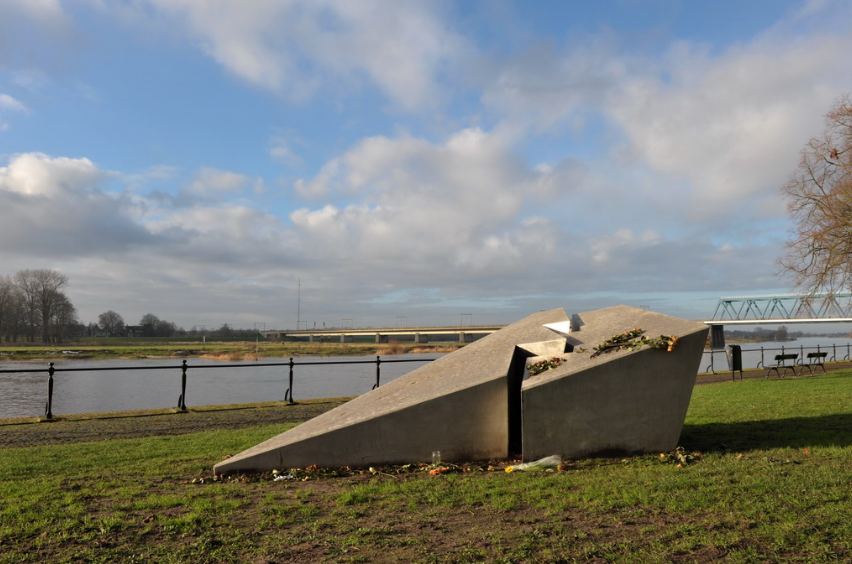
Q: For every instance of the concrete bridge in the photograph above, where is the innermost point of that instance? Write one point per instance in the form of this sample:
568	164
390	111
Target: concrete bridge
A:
460	333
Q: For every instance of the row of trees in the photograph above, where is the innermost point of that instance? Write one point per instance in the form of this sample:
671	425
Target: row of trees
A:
33	305
111	324
763	334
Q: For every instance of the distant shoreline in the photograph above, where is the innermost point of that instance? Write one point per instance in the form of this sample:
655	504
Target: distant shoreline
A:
216	350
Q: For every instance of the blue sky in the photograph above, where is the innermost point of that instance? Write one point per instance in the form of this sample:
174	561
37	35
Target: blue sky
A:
197	159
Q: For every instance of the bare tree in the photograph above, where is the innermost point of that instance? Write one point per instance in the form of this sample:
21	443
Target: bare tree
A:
28	312
10	309
149	323
819	254
153	326
111	322
63	319
42	295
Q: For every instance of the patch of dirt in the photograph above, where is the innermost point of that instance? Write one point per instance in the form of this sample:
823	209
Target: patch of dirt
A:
129	425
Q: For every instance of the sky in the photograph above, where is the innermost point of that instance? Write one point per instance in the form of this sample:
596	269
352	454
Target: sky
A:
274	163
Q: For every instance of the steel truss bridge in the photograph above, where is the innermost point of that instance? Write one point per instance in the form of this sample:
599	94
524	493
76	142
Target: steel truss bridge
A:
779	309
784	308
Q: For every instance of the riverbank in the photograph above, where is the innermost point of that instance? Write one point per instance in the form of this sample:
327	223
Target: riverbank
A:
33	431
102	349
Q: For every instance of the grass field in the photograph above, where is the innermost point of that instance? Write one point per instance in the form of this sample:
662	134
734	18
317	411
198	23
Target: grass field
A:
771	483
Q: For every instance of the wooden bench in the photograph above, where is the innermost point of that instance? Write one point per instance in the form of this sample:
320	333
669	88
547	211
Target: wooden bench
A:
781	365
816	359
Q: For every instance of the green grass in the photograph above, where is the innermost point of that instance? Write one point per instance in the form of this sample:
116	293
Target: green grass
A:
773	485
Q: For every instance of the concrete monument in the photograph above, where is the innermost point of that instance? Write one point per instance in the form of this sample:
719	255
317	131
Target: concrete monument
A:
479	402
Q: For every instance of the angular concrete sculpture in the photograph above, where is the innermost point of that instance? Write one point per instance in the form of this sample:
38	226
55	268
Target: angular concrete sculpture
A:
618	402
476	404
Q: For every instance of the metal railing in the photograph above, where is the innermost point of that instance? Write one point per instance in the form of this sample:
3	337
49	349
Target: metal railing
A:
782	350
184	367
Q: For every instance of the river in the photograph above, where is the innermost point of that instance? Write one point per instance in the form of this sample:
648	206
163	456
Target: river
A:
836	347
25	394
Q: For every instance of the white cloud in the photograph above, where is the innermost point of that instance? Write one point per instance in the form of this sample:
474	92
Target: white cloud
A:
32	79
605	247
698	133
36	174
551	89
463	229
29	30
733	125
58	207
293	47
281	151
624	154
11	104
434	214
55	206
48	12
214	182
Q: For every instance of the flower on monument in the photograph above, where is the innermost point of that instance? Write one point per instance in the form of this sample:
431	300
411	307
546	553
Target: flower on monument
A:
537	368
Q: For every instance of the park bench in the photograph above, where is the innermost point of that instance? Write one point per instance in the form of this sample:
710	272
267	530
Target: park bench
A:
781	364
816	359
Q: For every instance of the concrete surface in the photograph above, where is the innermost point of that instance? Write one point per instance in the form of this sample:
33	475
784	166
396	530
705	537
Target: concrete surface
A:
618	402
476	404
457	404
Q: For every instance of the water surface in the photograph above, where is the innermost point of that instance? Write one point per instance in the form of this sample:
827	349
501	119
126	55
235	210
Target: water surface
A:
25	394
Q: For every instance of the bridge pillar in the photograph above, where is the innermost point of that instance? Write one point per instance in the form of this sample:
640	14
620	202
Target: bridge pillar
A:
378	338
311	338
717	336
462	335
419	338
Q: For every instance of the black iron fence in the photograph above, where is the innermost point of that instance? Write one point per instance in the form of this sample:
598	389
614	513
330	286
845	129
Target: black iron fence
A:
184	367
758	357
752	358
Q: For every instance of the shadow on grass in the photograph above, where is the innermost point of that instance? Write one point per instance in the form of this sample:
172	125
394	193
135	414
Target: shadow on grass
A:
795	432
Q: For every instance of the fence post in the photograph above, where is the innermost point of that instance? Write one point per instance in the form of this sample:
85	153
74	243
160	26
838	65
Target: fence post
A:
378	371
182	399
48	408
833	352
288	395
762	364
